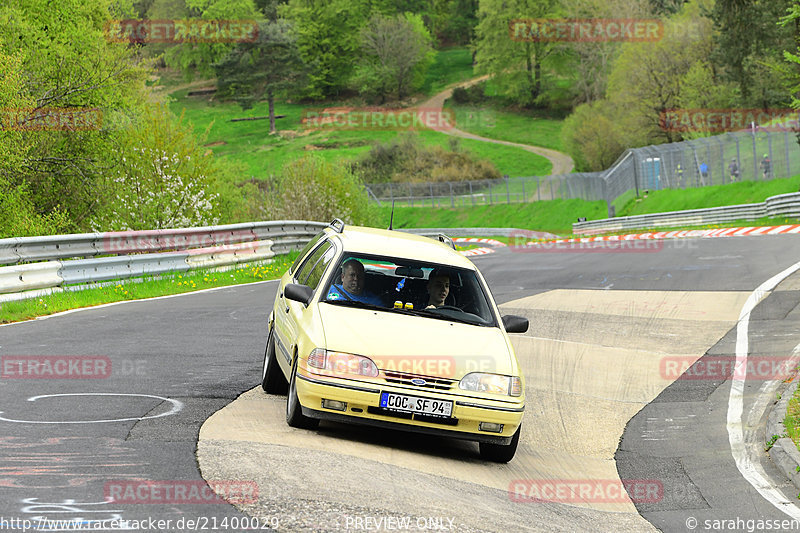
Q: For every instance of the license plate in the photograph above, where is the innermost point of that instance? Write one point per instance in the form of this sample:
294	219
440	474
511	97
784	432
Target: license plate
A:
415	404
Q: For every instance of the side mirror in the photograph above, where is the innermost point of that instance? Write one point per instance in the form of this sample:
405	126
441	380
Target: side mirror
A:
515	324
299	293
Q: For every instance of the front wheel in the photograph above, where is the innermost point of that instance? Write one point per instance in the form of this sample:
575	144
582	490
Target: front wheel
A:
500	453
294	412
272	379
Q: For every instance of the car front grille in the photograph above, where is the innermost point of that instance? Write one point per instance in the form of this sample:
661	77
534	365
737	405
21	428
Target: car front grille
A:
431	383
419	417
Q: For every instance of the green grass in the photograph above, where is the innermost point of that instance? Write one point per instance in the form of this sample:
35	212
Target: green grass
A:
249	142
147	287
451	65
746	192
555	216
519	126
792	420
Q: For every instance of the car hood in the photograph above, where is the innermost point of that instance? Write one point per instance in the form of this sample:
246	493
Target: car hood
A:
418	345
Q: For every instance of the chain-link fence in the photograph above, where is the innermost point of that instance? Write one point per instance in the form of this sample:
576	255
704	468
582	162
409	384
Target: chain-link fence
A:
486	192
738	156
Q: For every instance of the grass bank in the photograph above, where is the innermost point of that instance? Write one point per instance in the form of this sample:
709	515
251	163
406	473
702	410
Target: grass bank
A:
747	192
145	287
557	216
519	126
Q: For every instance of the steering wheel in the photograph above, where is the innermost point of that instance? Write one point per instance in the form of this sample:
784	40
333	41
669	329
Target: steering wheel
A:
450	307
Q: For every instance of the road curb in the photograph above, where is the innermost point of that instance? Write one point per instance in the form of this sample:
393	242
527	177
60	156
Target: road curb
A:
784	452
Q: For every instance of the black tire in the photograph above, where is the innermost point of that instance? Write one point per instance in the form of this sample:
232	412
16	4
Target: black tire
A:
294	412
500	453
272	378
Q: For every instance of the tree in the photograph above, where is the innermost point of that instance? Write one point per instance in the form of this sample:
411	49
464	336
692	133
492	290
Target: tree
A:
262	68
747	36
328	37
18	215
649	78
594	135
398	53
66	62
161	178
515	63
199	57
590	62
453	21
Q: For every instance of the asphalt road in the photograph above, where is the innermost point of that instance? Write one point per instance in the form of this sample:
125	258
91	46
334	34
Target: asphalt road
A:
164	366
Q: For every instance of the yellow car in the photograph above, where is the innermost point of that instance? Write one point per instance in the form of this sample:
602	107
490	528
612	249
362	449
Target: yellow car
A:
394	330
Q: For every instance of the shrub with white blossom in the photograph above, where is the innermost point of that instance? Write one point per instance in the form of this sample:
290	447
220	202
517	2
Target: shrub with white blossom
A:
161	179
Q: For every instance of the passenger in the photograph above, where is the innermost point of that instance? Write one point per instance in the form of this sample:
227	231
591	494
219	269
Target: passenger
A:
353	285
438	288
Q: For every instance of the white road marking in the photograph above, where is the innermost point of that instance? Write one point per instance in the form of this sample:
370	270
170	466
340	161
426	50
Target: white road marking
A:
176	406
750	469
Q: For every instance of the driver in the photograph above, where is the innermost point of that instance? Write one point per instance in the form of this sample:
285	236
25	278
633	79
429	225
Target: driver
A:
352	286
438	288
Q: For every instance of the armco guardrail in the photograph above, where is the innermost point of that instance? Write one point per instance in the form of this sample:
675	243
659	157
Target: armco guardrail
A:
784	205
136	253
26	249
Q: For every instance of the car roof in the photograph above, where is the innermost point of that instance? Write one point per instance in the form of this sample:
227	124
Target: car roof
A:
399	244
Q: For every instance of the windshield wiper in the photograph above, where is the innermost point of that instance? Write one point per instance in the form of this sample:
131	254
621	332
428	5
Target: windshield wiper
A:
433	314
356	303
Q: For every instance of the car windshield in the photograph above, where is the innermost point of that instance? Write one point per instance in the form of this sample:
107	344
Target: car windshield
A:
409	287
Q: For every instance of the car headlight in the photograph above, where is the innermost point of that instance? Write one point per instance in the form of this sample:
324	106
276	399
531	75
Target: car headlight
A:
339	363
496	383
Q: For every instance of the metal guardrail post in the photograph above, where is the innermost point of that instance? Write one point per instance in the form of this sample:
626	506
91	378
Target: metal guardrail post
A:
755	154
786	154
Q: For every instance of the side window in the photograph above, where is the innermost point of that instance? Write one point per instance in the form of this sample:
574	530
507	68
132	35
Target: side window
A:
310	273
317	272
314	240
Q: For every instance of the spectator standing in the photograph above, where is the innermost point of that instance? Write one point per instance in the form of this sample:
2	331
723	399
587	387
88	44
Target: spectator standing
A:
733	168
766	167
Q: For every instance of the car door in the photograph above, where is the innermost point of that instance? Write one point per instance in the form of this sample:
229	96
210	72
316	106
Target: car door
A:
289	314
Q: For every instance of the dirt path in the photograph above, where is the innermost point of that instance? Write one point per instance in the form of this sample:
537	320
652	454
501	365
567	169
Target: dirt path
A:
562	163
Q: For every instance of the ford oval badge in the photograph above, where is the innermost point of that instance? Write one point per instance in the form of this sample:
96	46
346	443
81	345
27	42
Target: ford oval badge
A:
419	381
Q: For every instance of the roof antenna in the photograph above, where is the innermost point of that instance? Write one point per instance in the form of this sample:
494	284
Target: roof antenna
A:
391	217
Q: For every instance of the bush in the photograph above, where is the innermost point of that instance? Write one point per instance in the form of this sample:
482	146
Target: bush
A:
474	94
311	188
405	159
593	136
18	217
162	178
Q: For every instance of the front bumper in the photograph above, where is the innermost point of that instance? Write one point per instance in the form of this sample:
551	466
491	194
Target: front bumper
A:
363	407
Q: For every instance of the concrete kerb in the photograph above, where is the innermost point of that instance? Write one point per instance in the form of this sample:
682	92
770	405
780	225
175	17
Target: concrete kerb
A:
784	453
